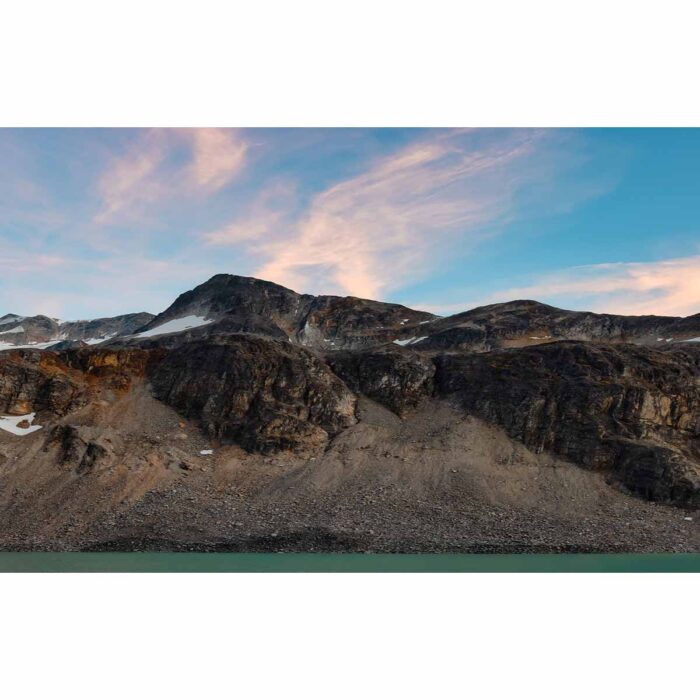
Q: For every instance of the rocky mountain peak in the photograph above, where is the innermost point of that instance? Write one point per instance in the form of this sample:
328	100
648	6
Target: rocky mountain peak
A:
230	303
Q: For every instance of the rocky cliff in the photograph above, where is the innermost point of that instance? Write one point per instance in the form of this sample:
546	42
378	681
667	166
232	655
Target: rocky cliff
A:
263	394
632	412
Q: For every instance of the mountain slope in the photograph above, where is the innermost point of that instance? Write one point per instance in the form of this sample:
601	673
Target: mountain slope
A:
249	417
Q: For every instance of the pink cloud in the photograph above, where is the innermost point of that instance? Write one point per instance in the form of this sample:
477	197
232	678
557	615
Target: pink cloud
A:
144	174
372	232
130	182
217	157
266	217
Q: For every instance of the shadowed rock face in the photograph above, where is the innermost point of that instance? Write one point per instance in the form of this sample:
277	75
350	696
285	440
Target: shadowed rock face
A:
629	410
262	394
396	378
334	323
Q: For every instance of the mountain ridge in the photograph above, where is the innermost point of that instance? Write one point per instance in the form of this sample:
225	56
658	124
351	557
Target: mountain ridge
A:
233	303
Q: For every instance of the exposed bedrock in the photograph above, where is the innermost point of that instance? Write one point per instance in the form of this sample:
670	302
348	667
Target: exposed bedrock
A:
629	410
263	394
398	379
32	381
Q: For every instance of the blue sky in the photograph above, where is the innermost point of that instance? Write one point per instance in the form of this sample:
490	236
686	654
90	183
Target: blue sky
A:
106	221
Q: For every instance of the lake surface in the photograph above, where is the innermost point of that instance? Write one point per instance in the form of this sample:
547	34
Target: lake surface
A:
233	562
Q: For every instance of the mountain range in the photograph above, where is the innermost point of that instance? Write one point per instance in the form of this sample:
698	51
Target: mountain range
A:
246	416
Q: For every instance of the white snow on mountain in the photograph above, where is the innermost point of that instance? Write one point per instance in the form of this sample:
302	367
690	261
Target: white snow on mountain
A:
10	424
410	341
18	329
29	346
177	325
96	341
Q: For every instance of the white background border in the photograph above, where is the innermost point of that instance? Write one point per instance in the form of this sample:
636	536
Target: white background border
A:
302	63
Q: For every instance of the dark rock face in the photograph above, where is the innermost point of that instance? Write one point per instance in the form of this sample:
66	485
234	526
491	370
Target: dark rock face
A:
629	410
31	381
334	323
263	394
398	379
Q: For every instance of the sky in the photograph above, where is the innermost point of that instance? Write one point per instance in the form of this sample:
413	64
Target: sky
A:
99	222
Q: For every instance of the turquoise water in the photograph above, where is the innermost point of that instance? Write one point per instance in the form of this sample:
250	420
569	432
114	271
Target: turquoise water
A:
231	562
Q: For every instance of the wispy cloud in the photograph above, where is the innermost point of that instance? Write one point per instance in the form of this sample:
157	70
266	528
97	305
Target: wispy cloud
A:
267	216
129	182
162	164
373	232
664	288
217	156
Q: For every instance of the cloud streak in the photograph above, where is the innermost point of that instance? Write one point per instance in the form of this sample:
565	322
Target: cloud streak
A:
372	232
266	217
162	164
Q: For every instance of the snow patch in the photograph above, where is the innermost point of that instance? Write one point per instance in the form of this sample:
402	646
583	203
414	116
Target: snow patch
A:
18	329
10	424
29	346
690	340
177	325
206	452
13	319
95	341
410	341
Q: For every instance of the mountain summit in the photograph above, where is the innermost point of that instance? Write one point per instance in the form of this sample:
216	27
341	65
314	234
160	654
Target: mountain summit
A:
245	304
